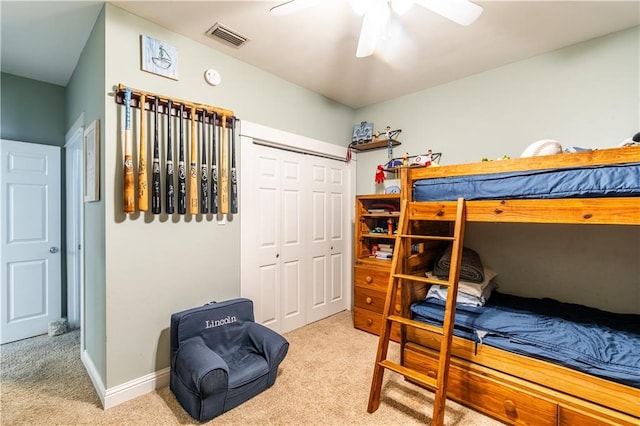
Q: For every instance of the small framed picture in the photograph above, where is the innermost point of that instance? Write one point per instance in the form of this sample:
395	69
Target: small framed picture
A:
159	57
362	132
91	169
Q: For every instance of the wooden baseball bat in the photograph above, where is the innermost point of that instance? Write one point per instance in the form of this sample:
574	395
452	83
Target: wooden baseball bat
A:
204	188
214	166
155	194
193	167
129	189
234	176
143	196
224	172
182	170
169	177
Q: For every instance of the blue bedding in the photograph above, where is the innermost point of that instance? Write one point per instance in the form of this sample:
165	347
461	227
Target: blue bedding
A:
589	340
612	180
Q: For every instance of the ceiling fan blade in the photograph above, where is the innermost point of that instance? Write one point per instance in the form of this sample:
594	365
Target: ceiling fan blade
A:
292	6
368	38
373	27
462	12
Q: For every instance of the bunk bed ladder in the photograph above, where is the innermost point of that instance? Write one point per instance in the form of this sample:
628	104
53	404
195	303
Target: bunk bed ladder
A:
399	278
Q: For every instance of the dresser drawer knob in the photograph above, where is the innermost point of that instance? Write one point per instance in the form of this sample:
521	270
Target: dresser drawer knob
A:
509	407
368	300
398	308
369	321
431	374
369	279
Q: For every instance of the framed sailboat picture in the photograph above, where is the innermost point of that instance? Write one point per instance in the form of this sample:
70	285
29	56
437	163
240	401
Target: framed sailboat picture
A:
159	57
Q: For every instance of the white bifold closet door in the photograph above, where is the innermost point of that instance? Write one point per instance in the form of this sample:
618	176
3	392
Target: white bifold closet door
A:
293	261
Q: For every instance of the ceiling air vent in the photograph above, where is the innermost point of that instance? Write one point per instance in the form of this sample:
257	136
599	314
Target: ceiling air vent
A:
226	35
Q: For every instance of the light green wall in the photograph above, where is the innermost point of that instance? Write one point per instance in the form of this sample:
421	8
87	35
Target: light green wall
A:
87	97
157	265
32	111
584	95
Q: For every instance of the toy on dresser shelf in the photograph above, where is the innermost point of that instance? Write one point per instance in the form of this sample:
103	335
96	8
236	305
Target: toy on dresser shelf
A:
379	174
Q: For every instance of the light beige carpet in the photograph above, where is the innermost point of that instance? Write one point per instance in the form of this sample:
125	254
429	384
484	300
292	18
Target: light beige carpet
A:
324	380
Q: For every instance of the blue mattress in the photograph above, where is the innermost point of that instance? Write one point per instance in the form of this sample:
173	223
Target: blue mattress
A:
583	182
589	340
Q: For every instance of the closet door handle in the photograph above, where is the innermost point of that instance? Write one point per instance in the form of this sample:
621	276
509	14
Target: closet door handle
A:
277	255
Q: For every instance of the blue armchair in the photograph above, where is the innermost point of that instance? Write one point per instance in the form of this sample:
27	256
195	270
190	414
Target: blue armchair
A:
221	358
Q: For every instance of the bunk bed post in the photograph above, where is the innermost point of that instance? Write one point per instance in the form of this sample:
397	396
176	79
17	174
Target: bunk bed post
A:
406	188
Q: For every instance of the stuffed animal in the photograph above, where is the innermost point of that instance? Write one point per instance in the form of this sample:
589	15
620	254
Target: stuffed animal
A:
379	174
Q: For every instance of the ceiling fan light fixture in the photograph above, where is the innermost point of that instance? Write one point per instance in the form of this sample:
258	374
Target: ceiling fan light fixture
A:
292	6
360	7
462	12
401	6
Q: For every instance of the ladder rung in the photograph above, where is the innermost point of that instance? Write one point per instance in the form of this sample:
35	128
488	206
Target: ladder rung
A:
416	324
422	279
413	374
426	237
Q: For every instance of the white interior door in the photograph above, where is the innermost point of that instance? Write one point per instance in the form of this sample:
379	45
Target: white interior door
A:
295	225
293	247
329	222
30	264
276	251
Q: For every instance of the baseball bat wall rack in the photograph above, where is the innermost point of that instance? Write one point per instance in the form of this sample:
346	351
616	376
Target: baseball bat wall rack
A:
219	120
163	102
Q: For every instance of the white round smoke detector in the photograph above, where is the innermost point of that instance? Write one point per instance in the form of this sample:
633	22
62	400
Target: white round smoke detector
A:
212	77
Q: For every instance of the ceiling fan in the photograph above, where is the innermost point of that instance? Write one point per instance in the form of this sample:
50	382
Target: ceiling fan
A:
376	15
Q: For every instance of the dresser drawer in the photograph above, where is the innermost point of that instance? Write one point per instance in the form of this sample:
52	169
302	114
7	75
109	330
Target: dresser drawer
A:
371	321
505	402
370	277
372	300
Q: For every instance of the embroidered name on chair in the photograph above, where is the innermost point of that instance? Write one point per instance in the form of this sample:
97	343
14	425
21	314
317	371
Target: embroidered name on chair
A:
218	322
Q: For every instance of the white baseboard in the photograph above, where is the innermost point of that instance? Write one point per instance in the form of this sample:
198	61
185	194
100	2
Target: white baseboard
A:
93	375
126	391
136	387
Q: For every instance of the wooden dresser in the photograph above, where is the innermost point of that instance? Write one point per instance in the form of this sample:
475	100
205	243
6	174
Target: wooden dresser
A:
371	274
374	213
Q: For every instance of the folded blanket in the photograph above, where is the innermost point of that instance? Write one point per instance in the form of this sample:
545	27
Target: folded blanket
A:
440	293
470	269
471	288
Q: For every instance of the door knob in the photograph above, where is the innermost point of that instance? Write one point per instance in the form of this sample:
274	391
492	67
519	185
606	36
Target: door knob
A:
53	250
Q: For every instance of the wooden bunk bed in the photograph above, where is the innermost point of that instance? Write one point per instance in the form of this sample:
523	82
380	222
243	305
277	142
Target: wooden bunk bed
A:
514	388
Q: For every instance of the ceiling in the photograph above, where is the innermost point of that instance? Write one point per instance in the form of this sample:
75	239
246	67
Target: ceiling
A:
315	48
